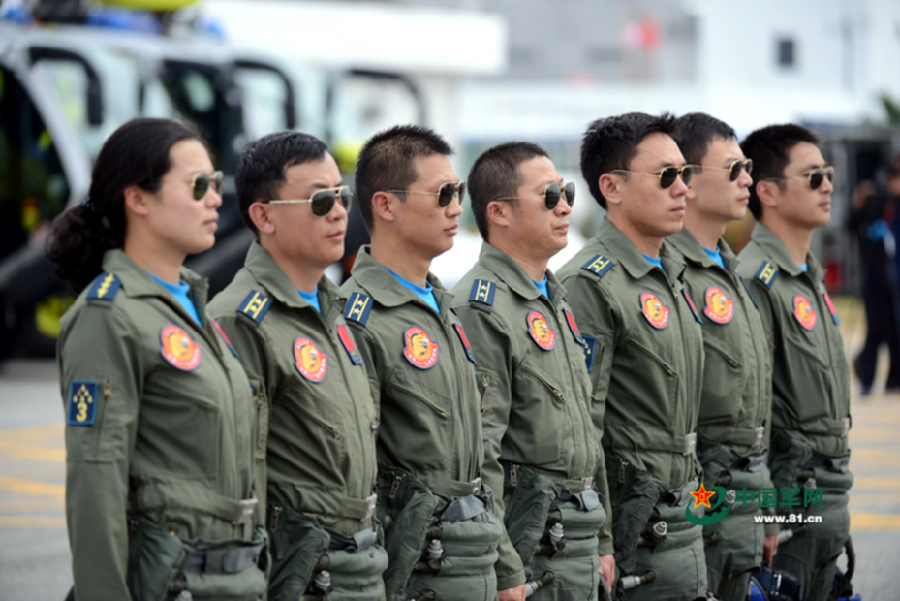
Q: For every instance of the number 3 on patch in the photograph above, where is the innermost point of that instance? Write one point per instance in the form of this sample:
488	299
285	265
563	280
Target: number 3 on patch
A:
82	403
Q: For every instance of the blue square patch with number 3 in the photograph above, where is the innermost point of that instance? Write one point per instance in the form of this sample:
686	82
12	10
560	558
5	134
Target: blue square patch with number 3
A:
82	403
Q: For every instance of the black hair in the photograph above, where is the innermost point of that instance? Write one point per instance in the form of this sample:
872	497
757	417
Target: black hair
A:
769	147
261	167
137	153
696	131
611	142
387	162
496	174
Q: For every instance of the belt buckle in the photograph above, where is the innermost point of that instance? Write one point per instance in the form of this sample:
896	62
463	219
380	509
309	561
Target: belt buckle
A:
476	485
690	443
846	431
248	506
759	436
587	483
371	502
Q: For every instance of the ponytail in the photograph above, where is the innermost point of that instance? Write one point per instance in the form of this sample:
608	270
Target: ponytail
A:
135	154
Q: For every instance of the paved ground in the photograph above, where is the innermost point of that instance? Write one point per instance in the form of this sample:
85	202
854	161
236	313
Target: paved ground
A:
35	563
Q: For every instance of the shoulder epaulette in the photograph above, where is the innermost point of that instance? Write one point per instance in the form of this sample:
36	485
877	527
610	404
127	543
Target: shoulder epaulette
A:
104	287
255	306
767	274
357	308
483	292
598	265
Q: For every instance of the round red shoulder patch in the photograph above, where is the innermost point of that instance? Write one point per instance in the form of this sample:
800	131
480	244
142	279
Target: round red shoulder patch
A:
420	349
179	349
310	360
540	330
719	308
654	310
804	313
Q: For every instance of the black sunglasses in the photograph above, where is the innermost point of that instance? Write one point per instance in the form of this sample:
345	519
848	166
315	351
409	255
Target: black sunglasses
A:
445	195
201	181
551	195
815	177
322	201
734	170
668	175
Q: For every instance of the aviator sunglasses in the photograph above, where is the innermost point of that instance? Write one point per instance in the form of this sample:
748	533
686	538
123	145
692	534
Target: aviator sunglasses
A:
201	181
734	170
322	201
551	195
815	177
445	195
667	176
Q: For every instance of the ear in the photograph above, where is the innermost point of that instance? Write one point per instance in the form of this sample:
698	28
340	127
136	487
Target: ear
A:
383	205
259	215
498	213
611	188
136	200
767	191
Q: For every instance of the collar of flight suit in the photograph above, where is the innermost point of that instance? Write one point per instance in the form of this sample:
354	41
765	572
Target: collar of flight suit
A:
277	284
382	286
685	243
512	274
626	253
137	282
778	252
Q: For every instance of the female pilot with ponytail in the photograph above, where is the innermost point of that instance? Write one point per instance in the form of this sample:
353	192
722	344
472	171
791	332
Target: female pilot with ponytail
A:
159	413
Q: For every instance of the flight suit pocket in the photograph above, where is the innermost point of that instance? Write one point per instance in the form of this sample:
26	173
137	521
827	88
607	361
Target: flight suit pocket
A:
646	373
540	417
809	377
427	432
722	383
262	418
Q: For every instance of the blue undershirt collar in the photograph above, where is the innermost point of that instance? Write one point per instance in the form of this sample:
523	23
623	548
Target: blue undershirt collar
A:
426	293
311	297
180	293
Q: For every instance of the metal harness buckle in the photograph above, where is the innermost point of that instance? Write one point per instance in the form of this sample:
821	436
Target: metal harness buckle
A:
760	431
371	502
690	444
248	506
587	483
476	485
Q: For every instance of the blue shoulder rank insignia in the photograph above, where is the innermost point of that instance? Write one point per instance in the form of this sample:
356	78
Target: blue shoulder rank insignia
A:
767	274
255	306
104	287
82	403
357	308
590	343
483	292
599	265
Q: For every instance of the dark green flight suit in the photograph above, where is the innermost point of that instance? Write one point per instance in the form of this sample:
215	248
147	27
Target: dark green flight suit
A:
735	408
160	427
441	534
810	405
646	361
317	437
537	423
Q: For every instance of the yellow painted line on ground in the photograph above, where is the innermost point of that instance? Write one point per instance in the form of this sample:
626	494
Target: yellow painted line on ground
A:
32	522
881	455
54	430
30	487
19	450
861	499
860	520
875	483
32	505
862	434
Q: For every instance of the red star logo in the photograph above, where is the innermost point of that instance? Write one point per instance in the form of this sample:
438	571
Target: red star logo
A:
703	496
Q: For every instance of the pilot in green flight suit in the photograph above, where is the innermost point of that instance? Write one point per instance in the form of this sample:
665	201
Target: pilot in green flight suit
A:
736	401
441	534
642	333
317	446
538	431
811	376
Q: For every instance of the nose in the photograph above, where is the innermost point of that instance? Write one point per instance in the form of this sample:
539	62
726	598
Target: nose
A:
338	211
827	186
678	188
454	209
562	207
212	198
745	180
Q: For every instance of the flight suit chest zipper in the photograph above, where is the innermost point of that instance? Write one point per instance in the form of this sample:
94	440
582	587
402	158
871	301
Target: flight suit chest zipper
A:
583	417
363	428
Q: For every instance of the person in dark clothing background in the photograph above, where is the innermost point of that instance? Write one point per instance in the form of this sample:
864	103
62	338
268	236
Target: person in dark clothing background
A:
874	221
